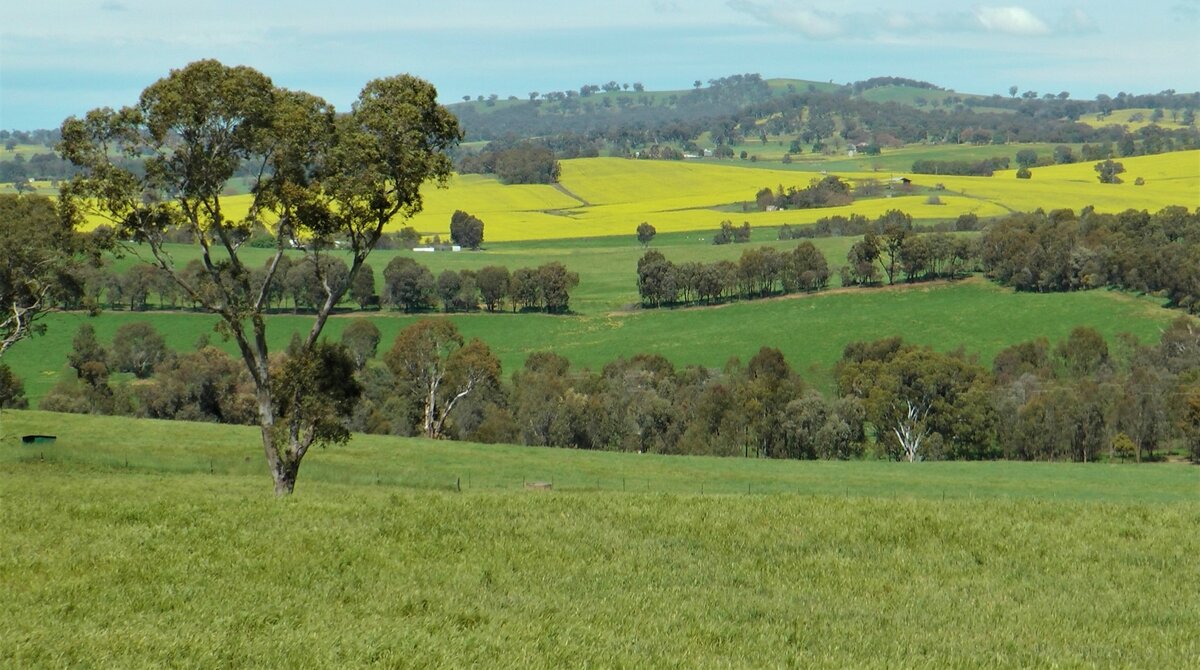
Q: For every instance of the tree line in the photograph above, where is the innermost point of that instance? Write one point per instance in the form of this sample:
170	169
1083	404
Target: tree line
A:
1064	251
733	113
411	287
983	168
1075	400
759	273
301	281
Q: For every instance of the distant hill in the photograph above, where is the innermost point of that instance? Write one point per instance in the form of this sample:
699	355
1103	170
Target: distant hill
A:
598	108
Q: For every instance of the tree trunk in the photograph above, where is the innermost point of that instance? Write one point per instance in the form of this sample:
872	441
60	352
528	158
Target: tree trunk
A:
284	473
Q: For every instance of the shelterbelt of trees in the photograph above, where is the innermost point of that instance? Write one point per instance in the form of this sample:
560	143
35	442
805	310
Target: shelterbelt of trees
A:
1079	399
1038	251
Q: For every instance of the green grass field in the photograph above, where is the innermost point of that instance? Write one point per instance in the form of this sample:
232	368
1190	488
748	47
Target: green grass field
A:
140	543
810	330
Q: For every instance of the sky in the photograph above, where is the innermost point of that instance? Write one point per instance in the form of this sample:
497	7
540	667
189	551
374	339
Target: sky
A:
63	57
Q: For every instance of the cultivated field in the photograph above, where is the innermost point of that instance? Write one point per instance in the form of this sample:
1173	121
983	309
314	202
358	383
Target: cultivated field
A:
613	195
141	542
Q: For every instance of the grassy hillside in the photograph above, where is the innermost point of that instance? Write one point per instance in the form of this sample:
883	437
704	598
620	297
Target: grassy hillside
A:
844	564
810	330
1133	118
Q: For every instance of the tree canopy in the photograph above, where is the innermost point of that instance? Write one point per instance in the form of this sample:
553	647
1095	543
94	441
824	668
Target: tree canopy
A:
38	251
320	175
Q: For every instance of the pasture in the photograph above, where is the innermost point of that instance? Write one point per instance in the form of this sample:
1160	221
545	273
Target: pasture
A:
148	543
811	330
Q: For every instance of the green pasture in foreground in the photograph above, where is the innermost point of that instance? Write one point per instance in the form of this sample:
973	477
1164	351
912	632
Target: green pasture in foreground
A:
120	446
856	565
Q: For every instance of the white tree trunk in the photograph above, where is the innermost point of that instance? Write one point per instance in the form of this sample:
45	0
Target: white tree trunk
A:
910	432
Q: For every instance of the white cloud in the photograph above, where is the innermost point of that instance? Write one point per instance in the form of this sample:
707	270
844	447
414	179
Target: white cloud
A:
884	20
1010	21
810	23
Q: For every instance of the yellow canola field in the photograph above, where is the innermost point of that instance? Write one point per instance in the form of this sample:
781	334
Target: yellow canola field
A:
682	196
1121	117
677	196
1170	179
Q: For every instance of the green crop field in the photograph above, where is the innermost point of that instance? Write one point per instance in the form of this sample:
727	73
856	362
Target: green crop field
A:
810	330
135	543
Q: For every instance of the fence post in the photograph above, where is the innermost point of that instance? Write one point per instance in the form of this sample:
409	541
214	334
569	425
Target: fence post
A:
458	484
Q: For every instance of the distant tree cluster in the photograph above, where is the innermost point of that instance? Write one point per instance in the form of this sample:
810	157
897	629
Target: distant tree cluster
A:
1108	170
1062	251
758	273
893	249
523	162
879	82
856	225
899	252
205	384
47	166
828	191
730	234
411	287
983	168
663	152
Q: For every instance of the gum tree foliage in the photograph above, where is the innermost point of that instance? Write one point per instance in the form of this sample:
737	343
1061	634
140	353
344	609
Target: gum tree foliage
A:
1108	170
138	348
361	338
38	250
646	233
466	230
493	281
924	404
320	175
408	285
436	370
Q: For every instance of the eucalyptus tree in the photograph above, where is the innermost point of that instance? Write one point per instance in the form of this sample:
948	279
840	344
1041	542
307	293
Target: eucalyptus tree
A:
39	253
320	177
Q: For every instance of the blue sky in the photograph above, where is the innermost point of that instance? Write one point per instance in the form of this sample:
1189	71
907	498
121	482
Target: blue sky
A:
63	57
